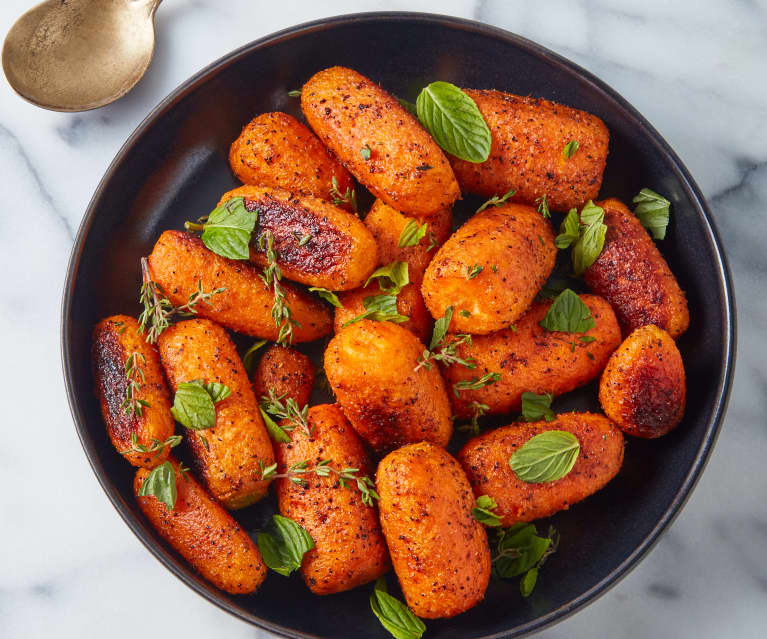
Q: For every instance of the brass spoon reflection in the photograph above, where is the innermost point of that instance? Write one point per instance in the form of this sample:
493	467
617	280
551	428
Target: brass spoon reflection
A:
75	55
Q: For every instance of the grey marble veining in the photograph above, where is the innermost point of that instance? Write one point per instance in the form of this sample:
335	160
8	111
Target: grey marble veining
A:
697	71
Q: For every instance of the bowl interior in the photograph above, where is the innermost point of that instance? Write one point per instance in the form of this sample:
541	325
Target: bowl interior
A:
175	167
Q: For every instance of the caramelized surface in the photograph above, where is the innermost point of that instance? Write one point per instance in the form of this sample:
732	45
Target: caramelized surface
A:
439	552
529	136
486	462
285	371
115	339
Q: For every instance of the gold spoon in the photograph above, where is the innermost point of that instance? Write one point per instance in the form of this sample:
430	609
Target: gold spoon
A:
75	55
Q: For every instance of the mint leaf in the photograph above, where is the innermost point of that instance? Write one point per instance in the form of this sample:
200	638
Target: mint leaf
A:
527	583
545	457
482	511
228	229
454	121
328	296
592	237
392	277
284	544
408	106
537	407
161	483
217	391
568	313
412	233
395	616
193	406
652	210
569	230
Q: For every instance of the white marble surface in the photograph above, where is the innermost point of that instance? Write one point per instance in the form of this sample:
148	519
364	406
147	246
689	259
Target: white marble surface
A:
69	567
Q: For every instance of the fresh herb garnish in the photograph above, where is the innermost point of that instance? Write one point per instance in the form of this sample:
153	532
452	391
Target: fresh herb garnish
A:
134	375
155	447
464	313
454	121
441	350
543	207
347	477
482	511
302	240
519	550
586	233
295	93
570	148
328	296
392	277
283	545
395	616
276	432
158	310
194	403
475	383
568	313
587	339
365	152
288	411
496	201
478	409
652	210
432	241
379	308
228	229
272	277
339	199
546	457
473	271
249	358
412	233
161	483
537	407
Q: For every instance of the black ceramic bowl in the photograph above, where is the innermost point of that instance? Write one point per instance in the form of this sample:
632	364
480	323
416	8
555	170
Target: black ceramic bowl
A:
174	167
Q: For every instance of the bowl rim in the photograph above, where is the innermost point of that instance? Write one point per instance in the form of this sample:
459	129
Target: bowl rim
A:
687	183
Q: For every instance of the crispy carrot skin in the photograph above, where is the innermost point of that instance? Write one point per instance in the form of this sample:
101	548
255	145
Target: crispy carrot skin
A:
317	243
179	261
349	546
529	136
371	368
439	552
490	269
530	358
115	339
351	114
285	371
204	534
275	149
486	462
643	387
227	460
632	275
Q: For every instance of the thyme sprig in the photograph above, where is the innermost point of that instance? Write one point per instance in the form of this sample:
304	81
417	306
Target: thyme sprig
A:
155	447
442	350
478	409
347	477
132	405
475	383
159	310
340	199
288	411
272	277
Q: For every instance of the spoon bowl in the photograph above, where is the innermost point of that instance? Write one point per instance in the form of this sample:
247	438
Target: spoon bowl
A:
77	55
